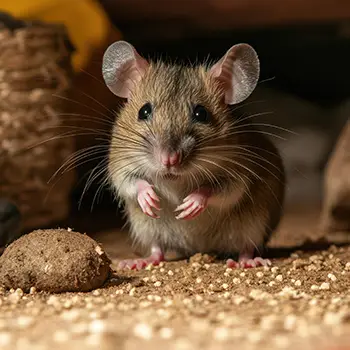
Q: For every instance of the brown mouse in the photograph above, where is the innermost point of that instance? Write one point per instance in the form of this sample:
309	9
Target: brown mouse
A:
194	174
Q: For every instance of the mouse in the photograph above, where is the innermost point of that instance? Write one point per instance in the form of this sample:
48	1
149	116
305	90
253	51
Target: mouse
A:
194	174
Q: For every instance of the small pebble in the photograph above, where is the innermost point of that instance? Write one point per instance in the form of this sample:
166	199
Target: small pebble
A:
166	333
5	339
97	326
279	278
297	283
70	315
144	331
332	277
254	336
259	274
157	284
24	321
221	334
324	286
61	336
290	322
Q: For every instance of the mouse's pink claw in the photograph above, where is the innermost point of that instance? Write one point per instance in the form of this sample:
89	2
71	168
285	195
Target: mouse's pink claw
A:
147	198
193	205
248	263
156	257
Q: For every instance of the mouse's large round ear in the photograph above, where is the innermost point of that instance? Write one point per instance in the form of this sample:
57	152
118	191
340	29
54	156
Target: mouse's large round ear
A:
122	68
239	71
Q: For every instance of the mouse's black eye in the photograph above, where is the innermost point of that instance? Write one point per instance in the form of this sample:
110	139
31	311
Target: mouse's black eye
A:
145	112
200	114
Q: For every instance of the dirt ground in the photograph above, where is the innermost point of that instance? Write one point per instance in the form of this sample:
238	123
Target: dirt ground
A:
303	301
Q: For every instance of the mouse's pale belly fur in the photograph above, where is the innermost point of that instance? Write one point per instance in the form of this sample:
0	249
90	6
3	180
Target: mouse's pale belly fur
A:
228	228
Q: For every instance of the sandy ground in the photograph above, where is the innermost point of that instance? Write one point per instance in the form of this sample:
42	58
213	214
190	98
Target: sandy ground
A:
303	300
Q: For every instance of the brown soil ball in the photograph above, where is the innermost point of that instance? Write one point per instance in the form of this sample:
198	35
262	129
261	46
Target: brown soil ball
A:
54	261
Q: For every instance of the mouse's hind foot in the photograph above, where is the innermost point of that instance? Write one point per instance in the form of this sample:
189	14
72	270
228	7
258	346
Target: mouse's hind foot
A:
156	257
246	260
248	263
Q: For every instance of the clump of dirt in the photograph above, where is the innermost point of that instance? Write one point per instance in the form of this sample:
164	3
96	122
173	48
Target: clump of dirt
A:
54	261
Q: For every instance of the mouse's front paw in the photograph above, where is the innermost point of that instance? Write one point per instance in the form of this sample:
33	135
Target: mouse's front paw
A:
193	205
147	198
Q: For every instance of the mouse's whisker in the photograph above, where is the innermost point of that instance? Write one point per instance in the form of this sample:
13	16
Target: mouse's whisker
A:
99	192
96	101
98	174
259	157
245	157
259	132
209	175
99	132
132	131
131	146
81	104
232	150
78	156
211	139
125	173
79	161
86	117
250	116
251	171
64	135
225	159
266	125
92	76
129	139
233	174
132	150
247	104
195	179
121	170
91	179
241	146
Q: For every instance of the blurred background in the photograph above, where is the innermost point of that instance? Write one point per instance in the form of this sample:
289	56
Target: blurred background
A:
304	48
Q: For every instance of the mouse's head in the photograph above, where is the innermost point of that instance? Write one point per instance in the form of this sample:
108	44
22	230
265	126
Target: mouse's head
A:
174	113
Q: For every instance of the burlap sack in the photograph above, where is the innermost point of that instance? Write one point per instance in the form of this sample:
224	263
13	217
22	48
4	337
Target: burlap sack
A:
335	219
35	65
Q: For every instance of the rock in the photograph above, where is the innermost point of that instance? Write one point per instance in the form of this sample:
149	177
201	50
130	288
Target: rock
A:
54	260
335	219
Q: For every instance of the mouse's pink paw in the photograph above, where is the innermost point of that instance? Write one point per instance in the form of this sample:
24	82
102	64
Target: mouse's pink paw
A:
248	263
137	264
193	205
155	258
147	198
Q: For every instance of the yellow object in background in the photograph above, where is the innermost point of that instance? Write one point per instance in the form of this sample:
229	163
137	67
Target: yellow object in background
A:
85	20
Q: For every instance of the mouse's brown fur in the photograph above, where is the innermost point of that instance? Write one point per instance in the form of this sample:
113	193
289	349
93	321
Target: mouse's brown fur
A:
238	162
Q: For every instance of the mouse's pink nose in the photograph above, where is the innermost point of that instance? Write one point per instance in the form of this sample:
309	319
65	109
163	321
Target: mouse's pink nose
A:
170	159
